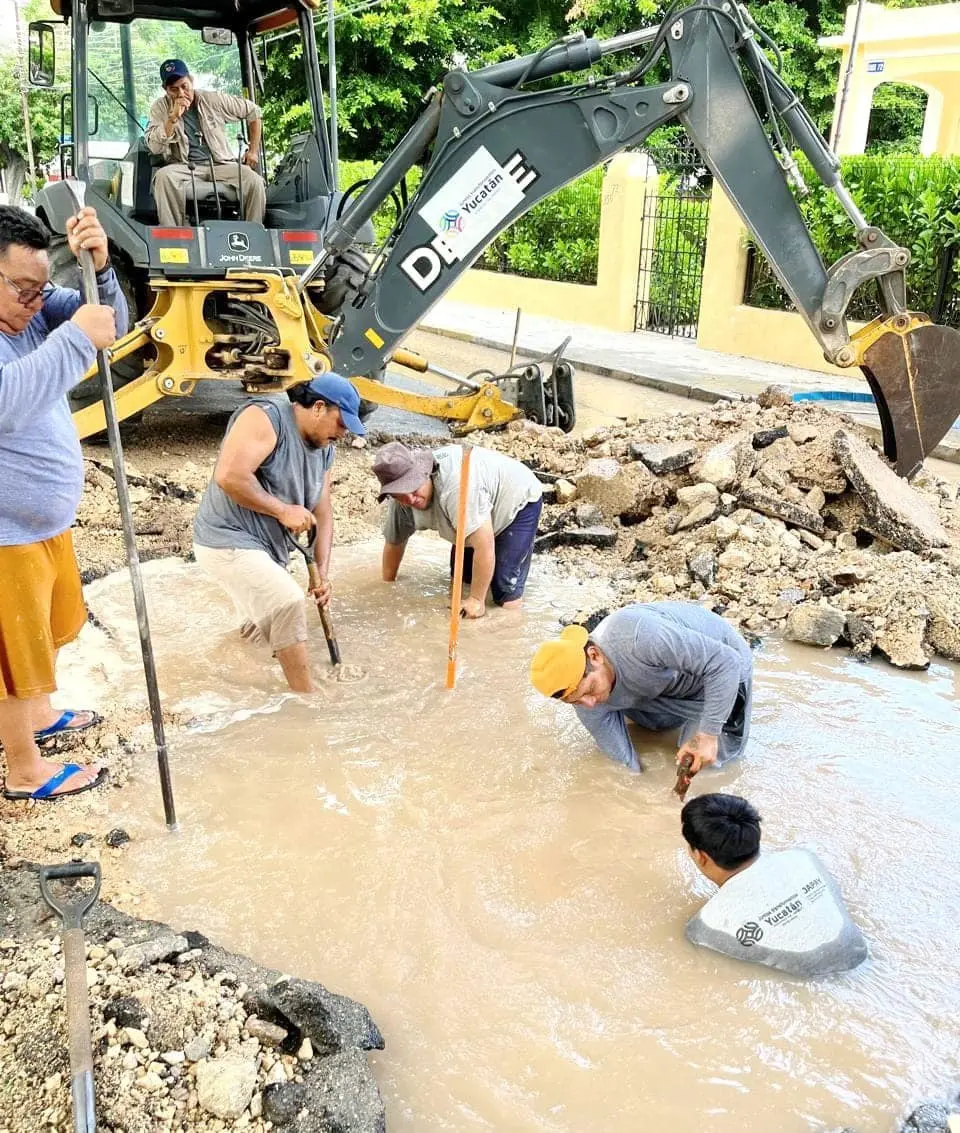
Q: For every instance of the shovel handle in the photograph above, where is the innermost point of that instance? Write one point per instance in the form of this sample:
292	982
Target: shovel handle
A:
316	579
78	1029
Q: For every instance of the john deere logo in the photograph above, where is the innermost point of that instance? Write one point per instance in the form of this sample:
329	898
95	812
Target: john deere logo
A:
749	934
238	242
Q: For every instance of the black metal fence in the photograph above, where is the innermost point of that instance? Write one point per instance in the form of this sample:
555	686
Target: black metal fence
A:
762	289
673	243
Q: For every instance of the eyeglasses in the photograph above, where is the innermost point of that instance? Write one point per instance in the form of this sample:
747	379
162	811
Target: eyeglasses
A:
27	295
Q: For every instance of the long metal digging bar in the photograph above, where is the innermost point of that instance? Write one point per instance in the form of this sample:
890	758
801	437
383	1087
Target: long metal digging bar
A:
71	913
91	294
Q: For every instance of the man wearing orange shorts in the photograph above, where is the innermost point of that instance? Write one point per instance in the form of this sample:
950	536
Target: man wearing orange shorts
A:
48	339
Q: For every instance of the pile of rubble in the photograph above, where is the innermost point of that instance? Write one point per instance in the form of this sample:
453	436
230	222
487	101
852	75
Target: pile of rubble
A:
186	1037
779	516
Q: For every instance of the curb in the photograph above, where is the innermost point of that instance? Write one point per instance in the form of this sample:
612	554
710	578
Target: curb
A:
948	453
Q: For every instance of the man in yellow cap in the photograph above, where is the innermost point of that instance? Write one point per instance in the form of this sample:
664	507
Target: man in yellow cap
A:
662	665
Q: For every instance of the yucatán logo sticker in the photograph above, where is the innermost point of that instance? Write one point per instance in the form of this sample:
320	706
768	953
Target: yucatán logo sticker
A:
749	934
466	209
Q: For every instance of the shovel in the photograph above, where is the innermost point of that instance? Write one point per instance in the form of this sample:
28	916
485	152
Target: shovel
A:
71	912
308	550
90	293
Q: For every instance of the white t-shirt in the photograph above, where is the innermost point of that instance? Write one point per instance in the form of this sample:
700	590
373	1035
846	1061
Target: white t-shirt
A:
784	911
500	487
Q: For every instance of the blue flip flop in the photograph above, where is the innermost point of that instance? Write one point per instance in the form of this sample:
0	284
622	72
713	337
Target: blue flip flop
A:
45	793
61	726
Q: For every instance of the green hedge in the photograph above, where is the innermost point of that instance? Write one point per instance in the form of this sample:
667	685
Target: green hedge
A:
557	239
914	200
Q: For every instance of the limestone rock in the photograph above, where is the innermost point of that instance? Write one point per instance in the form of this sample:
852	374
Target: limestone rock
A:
703	567
725	529
618	489
225	1085
774	397
718	470
197	1049
815	624
566	491
768	503
267	1033
811	540
736	557
898	514
697	494
801	434
815	499
943	629
661	458
161	947
697	516
901	642
727	463
588	515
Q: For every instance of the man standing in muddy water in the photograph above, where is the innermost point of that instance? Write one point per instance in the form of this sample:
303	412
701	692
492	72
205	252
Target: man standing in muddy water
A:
48	340
661	665
504	502
271	483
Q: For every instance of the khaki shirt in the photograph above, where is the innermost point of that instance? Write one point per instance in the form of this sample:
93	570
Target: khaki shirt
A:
214	109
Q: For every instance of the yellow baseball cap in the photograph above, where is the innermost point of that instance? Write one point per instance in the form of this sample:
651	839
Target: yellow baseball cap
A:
558	666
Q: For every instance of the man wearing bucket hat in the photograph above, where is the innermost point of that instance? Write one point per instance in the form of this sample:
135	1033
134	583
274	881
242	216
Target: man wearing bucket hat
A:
504	502
271	479
662	665
187	128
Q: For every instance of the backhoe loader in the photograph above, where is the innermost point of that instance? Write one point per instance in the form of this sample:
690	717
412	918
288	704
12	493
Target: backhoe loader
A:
492	142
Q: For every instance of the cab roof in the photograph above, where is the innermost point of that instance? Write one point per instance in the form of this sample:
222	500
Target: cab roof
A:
264	15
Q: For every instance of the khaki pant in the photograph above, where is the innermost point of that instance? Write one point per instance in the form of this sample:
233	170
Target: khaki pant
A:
170	184
268	598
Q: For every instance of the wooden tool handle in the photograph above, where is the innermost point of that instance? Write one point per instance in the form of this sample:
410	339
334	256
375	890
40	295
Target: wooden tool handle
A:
458	569
316	580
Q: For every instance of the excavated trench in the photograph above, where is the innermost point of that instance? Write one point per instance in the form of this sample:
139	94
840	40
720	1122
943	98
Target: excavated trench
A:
509	904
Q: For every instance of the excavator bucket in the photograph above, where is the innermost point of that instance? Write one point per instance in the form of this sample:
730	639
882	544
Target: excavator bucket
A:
913	368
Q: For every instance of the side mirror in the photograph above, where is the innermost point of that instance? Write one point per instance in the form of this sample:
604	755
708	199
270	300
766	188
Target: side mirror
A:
217	37
42	58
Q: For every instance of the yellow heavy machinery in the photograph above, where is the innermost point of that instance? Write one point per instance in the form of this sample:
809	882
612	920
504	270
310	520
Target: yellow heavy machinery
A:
270	305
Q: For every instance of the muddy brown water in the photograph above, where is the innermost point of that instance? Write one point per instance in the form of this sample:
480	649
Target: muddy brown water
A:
509	904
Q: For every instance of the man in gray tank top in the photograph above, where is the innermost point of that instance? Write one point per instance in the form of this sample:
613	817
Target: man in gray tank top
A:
271	481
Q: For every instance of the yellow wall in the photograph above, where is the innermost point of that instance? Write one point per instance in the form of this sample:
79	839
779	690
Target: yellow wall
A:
611	302
727	324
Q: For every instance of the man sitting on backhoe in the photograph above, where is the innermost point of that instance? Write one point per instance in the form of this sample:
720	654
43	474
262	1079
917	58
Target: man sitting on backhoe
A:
186	129
271	483
504	502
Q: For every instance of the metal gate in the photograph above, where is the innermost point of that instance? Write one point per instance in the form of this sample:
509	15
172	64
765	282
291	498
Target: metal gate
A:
673	244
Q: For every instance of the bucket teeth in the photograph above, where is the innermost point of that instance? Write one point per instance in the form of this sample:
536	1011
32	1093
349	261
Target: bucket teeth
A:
915	378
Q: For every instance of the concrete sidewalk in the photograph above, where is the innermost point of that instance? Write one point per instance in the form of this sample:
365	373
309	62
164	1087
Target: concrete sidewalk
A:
673	365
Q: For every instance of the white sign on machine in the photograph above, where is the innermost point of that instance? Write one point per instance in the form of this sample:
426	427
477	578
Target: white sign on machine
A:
464	210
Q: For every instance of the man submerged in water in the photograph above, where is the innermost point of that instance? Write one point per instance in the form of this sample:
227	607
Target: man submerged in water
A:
781	909
662	665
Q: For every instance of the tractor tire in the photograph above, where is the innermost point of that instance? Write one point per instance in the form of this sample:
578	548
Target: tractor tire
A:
65	272
342	279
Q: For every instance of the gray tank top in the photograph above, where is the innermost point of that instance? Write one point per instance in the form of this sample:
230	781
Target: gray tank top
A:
294	472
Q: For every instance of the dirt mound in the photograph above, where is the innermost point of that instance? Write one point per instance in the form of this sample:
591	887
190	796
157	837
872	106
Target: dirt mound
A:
780	519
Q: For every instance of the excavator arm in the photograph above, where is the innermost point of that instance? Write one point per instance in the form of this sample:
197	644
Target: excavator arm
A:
492	148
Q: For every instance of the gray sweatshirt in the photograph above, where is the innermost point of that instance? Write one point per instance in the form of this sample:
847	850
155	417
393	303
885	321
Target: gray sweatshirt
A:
39	449
676	665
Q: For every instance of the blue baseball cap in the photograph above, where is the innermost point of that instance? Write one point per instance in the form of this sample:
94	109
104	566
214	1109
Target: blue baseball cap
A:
173	69
336	390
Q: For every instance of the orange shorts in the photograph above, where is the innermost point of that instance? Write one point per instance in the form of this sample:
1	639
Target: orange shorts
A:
41	609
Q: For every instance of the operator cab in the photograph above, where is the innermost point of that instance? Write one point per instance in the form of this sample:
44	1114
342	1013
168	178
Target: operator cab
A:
115	61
